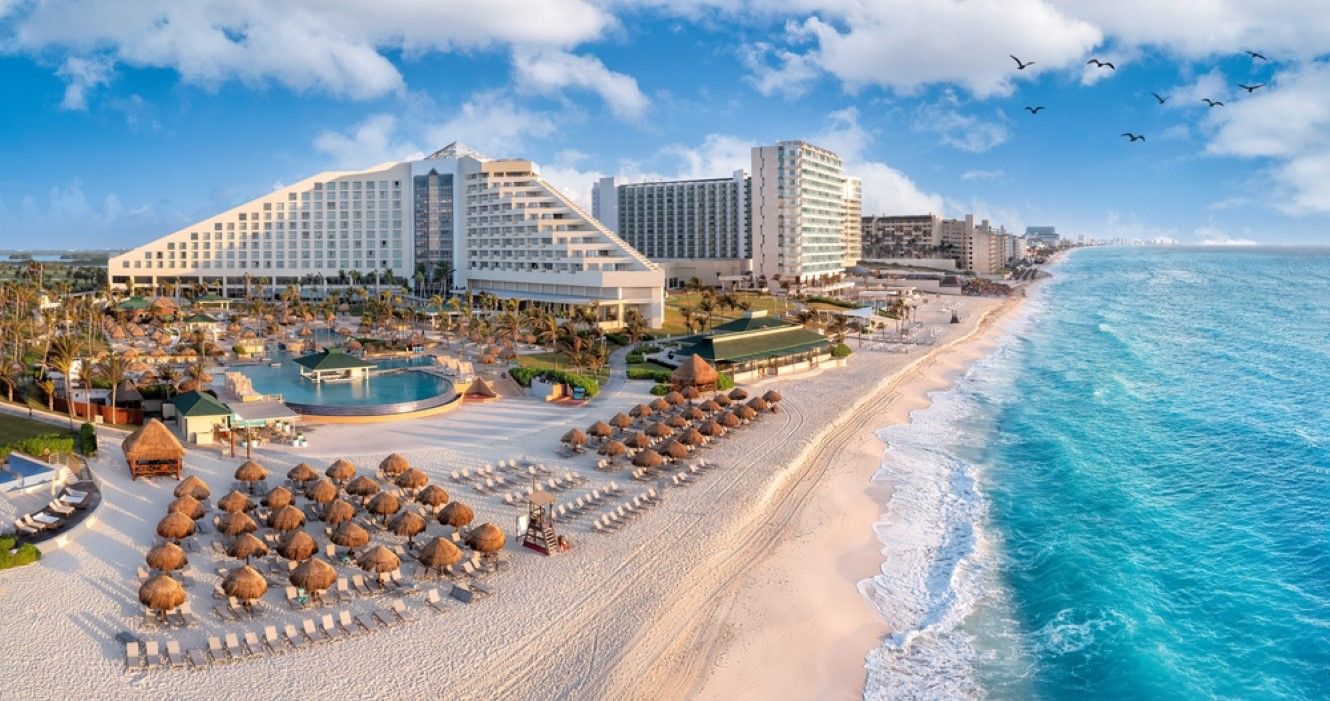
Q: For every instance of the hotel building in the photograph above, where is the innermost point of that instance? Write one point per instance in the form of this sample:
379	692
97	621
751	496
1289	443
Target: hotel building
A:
799	212
502	228
852	217
909	236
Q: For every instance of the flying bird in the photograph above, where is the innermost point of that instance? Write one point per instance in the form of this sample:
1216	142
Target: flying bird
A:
1212	103
1101	64
1034	110
1020	66
1251	88
1161	98
1255	55
1133	137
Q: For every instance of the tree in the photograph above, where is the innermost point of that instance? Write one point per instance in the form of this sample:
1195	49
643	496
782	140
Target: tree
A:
634	325
687	313
113	370
64	352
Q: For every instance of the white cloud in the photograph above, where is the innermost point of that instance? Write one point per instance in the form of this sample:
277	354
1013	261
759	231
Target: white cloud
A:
885	189
960	131
1214	236
372	141
493	123
998	174
777	71
548	71
82	75
717	156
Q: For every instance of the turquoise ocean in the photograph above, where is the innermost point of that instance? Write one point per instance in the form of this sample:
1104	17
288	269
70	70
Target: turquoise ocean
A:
1129	498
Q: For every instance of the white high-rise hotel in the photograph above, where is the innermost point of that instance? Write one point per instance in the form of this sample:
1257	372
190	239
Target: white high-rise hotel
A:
501	227
800	212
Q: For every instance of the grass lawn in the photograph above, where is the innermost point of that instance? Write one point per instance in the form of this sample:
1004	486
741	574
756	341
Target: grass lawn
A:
13	428
674	301
553	361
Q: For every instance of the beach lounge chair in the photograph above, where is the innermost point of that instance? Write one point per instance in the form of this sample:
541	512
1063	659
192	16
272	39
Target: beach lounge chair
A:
23	528
272	641
184	615
233	646
312	631
359	582
369	622
198	658
433	600
57	507
344	592
462	593
152	654
134	656
291	598
176	657
330	628
484	590
224	613
216	652
331	551
399	609
253	646
293	637
350	626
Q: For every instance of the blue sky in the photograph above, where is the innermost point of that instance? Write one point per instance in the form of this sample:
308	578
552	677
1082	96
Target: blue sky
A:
124	122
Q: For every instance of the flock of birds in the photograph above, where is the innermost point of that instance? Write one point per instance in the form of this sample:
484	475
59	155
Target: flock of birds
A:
1133	137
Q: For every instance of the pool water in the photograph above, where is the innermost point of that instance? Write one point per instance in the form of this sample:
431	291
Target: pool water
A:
392	383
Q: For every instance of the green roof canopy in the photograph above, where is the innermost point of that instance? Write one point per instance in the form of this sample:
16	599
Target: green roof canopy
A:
203	299
134	304
332	359
195	404
749	323
200	319
747	347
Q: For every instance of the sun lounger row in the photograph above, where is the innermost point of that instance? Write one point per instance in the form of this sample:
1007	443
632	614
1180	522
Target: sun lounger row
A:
53	515
618	518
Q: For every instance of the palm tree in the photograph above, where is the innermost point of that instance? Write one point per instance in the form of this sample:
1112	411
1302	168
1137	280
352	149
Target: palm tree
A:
687	313
634	325
9	374
113	370
48	388
64	352
171	377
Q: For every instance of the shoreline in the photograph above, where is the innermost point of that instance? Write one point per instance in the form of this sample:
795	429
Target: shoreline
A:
794	625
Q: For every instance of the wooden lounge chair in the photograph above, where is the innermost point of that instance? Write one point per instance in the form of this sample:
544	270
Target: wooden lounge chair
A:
233	646
399	609
344	592
134	656
433	600
350	627
293	637
359	582
291	594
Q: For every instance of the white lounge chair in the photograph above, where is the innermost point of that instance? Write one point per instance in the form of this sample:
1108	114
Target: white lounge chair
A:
350	626
134	656
433	600
272	640
173	653
330	628
253	645
293	637
216	652
312	631
233	646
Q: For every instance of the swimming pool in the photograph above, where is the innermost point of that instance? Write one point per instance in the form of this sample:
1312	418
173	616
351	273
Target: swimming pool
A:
394	387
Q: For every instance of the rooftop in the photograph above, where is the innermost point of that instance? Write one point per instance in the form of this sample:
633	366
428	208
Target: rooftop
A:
195	404
332	359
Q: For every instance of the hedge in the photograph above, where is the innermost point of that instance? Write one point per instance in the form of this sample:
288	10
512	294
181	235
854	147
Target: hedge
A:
524	376
725	382
640	373
841	351
87	441
660	389
26	554
832	301
41	445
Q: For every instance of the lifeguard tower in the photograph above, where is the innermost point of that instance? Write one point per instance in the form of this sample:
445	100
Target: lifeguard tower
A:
540	533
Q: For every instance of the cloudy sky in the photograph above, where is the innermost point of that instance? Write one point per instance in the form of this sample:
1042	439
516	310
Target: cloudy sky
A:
125	120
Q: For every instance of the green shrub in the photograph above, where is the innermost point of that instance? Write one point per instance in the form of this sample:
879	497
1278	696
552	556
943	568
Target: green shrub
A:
641	373
26	554
841	351
40	445
524	376
647	348
832	301
660	389
87	441
635	358
617	338
725	382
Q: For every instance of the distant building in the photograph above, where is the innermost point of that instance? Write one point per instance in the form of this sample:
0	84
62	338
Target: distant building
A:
1042	236
853	221
605	203
908	236
798	212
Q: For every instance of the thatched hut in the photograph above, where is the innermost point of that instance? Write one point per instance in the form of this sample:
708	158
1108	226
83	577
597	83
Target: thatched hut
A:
297	545
287	518
394	465
613	449
194	487
338	511
600	429
433	496
235	502
277	497
456	514
188	506
438	554
379	560
161	594
637	441
407	524
487	538
341	471
648	458
175	526
314	576
321	492
153	450
166	557
621	421
350	535
696	372
236	523
245	583
302	473
412	479
574	437
251	472
247	546
384	504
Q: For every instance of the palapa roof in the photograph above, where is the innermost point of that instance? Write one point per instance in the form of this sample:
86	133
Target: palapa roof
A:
574	437
246	545
362	486
236	523
394	465
439	553
341	470
175	525
302	473
339	511
487	538
412	479
332	359
379	559
161	593
166	557
235	501
197	404
314	575
277	497
384	503
349	535
188	506
250	471
433	496
245	583
694	370
194	487
648	458
287	518
152	441
613	448
297	545
456	514
407	524
321	492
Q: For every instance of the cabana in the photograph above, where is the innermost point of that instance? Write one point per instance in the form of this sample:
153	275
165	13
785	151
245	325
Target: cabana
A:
153	450
333	364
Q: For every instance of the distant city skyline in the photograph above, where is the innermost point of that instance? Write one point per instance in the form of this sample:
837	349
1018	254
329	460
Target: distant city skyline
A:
122	127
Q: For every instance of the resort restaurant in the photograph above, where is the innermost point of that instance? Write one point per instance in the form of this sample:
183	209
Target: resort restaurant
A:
757	346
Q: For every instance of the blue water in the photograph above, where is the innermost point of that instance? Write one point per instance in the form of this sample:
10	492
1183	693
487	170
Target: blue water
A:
1130	498
391	382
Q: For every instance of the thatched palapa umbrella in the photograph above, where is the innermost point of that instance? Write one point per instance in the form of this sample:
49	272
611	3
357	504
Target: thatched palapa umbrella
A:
674	449
659	404
439	554
188	506
384	504
691	437
456	514
433	496
407	524
236	523
487	538
412	479
693	413
721	399
758	404
621	421
691	394
772	396
277	497
338	511
600	429
677	422
637	441
194	487
659	430
694	372
297	545
613	449
175	526
676	398
710	406
574	437
362	487
321	492
161	594
314	576
302	473
341	471
379	560
648	458
235	502
247	546
728	420
245	583
350	535
166	557
745	412
640	411
394	465
738	394
287	518
251	472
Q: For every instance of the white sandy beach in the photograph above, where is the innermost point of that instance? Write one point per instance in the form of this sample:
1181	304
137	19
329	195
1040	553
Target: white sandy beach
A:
740	586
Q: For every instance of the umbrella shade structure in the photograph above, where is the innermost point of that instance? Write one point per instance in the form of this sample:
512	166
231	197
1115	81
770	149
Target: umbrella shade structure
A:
691	393
363	487
640	411
161	593
659	430
710	406
314	576
745	412
192	486
659	404
287	518
721	399
772	396
574	437
738	394
297	545
245	583
304	472
433	496
247	546
338	511
677	422
487	538
456	514
379	559
674	449
384	504
728	420
235	502
439	553
407	524
692	413
648	458
236	523
613	449
600	429
175	526
621	421
758	404
691	437
321	492
394	465
340	471
166	557
350	535
694	371
277	497
250	471
637	441
188	506
676	398
412	479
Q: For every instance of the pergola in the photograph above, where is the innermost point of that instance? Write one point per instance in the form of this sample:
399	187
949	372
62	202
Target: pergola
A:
153	451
